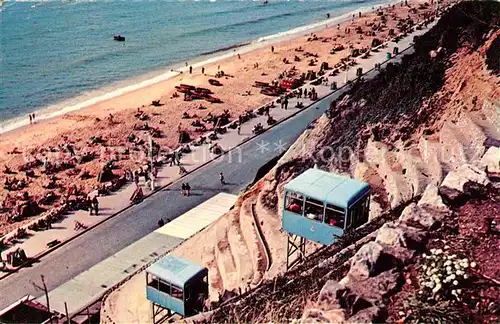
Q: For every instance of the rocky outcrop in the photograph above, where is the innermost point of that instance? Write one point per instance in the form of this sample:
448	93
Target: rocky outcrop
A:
491	162
458	183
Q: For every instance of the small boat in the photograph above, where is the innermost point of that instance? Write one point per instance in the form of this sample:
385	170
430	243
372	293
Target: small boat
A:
119	38
265	2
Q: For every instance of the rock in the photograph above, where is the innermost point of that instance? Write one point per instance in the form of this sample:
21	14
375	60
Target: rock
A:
399	254
364	262
374	289
332	292
423	216
491	162
390	234
400	235
317	315
369	315
431	197
452	187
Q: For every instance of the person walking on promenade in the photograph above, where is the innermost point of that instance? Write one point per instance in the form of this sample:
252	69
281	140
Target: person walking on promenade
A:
89	205
161	222
188	189
239	129
221	177
136	178
95	204
183	189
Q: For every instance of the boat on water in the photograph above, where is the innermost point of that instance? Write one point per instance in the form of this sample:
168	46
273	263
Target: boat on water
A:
119	38
265	2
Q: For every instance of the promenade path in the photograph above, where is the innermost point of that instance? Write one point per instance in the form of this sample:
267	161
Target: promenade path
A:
118	232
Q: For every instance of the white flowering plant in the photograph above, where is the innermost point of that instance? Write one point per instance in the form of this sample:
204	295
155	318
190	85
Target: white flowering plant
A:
443	275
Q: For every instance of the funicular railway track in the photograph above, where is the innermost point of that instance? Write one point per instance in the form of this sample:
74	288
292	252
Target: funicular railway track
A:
262	239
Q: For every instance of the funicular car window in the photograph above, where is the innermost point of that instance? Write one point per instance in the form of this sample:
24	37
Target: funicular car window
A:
334	216
165	287
294	202
314	209
176	292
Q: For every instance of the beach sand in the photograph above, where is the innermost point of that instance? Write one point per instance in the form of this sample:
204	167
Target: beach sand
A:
35	141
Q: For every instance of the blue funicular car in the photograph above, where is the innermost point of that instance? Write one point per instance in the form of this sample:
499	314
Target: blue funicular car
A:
319	206
177	285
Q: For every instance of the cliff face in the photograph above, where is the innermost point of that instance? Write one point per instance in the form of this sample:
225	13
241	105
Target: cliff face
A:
402	132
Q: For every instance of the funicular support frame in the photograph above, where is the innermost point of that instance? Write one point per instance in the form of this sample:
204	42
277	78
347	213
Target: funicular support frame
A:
293	248
158	310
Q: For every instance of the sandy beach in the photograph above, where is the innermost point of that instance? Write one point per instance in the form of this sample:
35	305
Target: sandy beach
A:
112	122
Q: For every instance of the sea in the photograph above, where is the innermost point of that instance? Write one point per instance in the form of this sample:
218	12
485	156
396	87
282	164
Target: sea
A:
60	56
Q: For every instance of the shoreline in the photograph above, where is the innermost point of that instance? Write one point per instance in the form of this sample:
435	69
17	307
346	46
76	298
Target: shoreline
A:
144	80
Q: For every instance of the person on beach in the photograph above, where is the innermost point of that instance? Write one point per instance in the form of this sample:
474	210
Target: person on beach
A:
328	15
272	49
31	119
239	57
338	26
221	178
190	70
203	70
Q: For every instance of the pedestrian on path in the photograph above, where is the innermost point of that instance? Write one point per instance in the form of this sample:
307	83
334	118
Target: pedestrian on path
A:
136	178
95	204
89	205
286	103
188	189
161	222
221	177
239	129
183	189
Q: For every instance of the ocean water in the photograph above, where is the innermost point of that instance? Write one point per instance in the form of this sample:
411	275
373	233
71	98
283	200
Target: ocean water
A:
52	51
